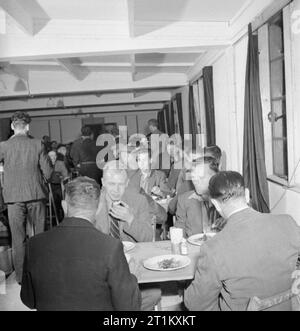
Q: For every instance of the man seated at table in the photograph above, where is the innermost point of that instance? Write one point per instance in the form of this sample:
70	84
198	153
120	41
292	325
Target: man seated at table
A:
122	213
176	156
215	152
254	256
195	213
152	181
76	267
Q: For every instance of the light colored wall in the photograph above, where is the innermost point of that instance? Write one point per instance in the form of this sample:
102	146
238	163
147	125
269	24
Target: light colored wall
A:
229	89
67	129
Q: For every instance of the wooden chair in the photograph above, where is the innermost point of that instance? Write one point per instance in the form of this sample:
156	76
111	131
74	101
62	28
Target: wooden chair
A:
257	304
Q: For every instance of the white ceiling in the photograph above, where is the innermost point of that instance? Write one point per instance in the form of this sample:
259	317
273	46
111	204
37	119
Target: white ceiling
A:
100	47
188	10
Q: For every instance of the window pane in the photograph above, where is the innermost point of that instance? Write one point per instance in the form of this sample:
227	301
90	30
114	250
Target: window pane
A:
276	38
280	160
277	79
279	125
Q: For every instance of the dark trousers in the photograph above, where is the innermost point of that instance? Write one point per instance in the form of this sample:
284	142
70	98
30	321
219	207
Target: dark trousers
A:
25	219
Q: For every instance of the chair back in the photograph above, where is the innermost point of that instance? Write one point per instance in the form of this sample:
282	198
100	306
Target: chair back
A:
257	304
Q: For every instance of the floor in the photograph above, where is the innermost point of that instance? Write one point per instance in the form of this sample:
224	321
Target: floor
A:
11	300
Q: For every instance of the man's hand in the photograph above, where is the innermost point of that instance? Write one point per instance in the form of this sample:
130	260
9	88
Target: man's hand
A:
122	212
157	191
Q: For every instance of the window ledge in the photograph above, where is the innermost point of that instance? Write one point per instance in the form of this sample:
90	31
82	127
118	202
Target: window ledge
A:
284	183
279	181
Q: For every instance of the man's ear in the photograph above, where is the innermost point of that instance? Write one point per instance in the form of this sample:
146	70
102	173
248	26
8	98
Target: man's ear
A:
65	207
217	205
247	195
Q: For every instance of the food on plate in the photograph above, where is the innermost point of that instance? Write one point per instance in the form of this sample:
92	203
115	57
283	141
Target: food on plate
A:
169	264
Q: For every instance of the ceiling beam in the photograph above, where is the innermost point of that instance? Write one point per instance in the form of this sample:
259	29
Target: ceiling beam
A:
136	90
14	70
76	111
21	16
130	13
133	67
207	59
74	68
68	39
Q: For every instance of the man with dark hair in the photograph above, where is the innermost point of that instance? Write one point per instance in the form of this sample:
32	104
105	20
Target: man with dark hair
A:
195	214
84	154
75	266
25	164
254	256
215	152
153	127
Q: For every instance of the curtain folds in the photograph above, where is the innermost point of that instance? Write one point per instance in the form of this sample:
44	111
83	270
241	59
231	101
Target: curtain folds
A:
180	114
254	168
209	105
193	120
161	121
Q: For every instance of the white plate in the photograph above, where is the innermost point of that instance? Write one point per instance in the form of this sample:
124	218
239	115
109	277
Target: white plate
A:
196	239
128	246
179	262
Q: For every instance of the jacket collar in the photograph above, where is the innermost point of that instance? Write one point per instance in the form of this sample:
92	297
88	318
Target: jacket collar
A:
76	222
245	214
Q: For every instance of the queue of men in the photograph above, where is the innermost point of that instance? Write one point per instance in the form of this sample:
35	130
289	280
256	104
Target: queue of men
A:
80	265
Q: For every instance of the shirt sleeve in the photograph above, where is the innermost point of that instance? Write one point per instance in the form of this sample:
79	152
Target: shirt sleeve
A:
124	288
203	293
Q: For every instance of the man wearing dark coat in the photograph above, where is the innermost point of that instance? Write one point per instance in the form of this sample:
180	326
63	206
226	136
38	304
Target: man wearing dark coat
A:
84	154
24	192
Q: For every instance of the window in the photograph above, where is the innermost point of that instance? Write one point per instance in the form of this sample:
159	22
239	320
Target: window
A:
277	115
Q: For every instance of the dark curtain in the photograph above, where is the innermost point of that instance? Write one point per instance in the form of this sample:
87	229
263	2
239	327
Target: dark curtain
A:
161	121
172	119
254	168
209	105
167	113
193	120
180	114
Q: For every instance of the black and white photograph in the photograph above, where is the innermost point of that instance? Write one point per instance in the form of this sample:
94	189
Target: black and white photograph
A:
149	158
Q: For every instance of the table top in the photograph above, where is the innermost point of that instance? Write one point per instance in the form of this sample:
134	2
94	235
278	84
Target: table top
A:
144	251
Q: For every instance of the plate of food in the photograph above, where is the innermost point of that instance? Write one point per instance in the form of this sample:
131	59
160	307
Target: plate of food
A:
128	246
200	239
167	263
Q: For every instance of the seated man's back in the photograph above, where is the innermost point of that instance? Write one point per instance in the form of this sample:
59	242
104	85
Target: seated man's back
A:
258	257
76	267
254	255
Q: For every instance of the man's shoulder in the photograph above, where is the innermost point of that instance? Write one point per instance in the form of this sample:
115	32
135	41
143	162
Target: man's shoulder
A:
94	234
187	196
131	196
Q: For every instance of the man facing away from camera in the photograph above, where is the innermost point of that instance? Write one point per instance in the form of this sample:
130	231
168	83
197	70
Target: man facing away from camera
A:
255	255
75	266
25	164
